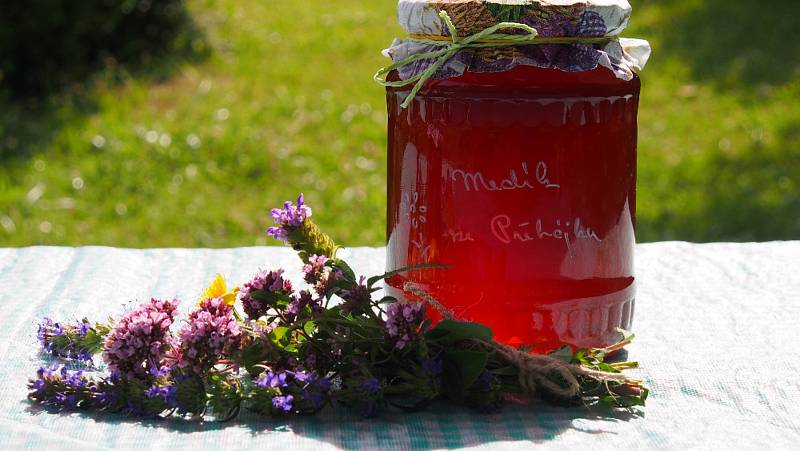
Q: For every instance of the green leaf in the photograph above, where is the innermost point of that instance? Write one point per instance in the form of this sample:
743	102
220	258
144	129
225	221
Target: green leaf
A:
348	272
270	298
563	353
280	335
387	300
461	370
450	331
309	327
372	280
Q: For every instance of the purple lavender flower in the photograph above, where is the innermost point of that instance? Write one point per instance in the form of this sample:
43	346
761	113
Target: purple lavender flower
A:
55	386
168	393
324	384
268	379
403	320
211	333
298	391
38	386
153	392
283	403
271	282
288	218
84	328
140	338
304	377
48	329
76	380
65	341
104	399
370	385
433	366
159	372
66	400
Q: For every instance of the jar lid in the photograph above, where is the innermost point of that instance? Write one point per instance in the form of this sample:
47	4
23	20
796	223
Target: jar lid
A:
552	18
448	37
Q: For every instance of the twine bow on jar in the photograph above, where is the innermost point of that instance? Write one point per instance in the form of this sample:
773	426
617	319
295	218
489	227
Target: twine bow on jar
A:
451	45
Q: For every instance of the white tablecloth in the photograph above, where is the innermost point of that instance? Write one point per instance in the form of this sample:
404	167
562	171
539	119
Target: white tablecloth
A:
716	326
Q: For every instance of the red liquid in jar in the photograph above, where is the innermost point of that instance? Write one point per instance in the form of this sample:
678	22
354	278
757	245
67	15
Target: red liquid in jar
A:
523	183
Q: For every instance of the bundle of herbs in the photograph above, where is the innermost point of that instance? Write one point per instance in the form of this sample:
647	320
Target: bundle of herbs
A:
273	349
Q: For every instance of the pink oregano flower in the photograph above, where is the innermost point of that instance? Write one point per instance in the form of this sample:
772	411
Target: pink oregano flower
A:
137	343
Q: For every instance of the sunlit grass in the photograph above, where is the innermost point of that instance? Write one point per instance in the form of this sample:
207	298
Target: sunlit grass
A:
285	103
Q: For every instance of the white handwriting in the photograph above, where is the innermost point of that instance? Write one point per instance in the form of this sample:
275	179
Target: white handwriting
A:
507	232
458	236
475	181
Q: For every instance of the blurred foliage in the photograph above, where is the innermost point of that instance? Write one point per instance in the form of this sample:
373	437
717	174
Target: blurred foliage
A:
192	147
47	44
719	125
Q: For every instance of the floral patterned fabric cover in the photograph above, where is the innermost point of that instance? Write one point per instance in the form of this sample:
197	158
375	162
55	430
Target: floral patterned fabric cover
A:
551	18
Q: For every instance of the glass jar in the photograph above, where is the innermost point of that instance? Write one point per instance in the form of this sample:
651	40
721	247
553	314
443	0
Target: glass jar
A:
523	183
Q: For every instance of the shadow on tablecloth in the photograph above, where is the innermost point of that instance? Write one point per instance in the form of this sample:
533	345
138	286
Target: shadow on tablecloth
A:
442	426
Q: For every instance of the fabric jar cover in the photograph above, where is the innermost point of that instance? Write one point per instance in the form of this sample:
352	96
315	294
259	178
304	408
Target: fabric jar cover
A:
551	18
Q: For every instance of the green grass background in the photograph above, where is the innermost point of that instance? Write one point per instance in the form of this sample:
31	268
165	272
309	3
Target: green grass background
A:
276	97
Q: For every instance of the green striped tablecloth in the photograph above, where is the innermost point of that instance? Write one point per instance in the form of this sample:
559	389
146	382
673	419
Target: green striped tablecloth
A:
717	328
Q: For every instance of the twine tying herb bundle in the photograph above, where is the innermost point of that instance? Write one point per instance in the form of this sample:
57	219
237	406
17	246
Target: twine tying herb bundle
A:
451	45
535	371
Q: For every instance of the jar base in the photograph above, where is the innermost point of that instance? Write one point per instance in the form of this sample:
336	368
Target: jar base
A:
590	322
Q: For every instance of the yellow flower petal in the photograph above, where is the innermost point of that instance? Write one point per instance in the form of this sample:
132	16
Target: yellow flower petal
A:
230	297
217	289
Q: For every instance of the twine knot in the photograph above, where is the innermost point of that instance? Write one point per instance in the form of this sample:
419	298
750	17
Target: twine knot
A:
536	372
